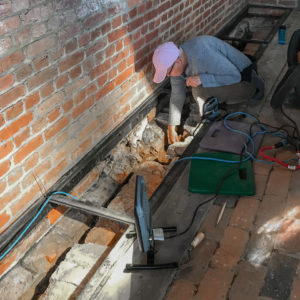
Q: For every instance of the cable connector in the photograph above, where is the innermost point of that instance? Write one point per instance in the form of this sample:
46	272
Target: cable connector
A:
280	144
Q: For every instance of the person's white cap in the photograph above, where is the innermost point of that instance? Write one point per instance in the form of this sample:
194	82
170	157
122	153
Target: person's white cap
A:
163	58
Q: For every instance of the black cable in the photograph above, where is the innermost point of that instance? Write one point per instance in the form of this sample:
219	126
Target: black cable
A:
290	119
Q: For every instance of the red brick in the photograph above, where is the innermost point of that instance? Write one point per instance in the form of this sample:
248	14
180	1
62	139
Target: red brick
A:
80	109
24	72
101	80
16	126
67	106
41	46
231	248
42	77
110	50
100	70
96	33
135	24
10	259
119	57
181	289
91	89
57	127
56	213
84	39
11	60
22	137
116	22
79	97
31	162
62	80
28	148
88	129
122	113
32	100
70	32
99	45
75	72
94	20
55	172
23	36
215	285
6	82
47	90
124	76
2	187
132	3
10	96
71	61
244	213
278	183
81	148
41	62
25	199
9	25
15	176
71	46
117	34
54	115
105	90
14	111
101	236
106	28
6	149
248	282
57	54
9	197
4	167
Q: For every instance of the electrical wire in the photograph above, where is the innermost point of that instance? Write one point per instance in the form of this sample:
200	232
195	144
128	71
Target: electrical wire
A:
33	220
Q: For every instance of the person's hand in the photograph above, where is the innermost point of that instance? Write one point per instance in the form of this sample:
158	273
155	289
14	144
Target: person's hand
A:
193	81
172	134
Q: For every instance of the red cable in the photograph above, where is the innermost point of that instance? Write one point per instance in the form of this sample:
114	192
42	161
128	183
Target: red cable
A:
291	167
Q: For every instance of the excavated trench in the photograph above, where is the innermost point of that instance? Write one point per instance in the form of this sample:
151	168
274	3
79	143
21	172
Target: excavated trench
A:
144	151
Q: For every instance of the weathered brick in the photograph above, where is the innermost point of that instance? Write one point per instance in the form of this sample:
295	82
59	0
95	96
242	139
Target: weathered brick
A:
9	25
22	137
16	126
100	70
54	115
94	20
231	248
6	82
75	72
14	111
101	236
5	149
215	278
4	218
41	62
14	175
42	77
9	196
181	289
28	148
5	8
47	90
11	60
124	76
58	126
80	109
278	183
71	61
244	213
99	45
248	282
49	104
62	80
117	34
81	148
41	46
12	95
270	210
32	100
23	72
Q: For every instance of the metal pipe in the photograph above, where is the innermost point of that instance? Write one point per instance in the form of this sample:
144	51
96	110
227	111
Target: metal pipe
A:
101	212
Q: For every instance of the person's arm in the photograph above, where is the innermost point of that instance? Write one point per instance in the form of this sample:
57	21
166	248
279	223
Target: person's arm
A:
178	94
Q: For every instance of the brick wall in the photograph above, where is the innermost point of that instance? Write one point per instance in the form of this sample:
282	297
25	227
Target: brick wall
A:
72	70
285	3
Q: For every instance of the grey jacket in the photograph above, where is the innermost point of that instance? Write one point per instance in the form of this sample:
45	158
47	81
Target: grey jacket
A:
215	61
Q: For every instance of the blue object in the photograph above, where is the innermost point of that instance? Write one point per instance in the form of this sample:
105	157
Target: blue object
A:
211	109
281	34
